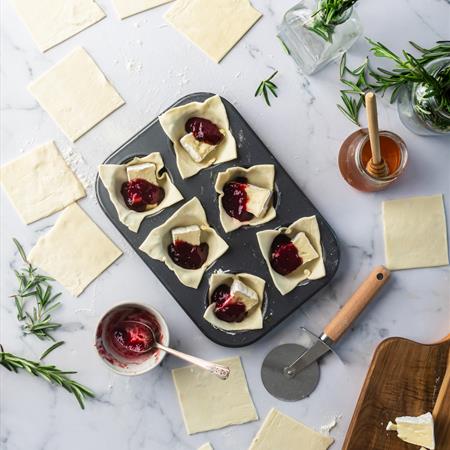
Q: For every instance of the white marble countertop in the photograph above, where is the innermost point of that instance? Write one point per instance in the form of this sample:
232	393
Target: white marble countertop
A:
152	65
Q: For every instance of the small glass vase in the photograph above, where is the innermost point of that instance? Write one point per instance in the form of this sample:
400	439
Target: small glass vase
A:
418	111
311	51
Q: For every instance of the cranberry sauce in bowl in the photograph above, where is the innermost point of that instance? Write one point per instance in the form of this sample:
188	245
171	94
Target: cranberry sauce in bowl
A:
188	256
125	337
140	195
284	257
204	130
226	307
234	200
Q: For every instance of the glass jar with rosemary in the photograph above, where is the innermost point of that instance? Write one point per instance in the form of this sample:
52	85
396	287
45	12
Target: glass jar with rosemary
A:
419	84
424	107
316	32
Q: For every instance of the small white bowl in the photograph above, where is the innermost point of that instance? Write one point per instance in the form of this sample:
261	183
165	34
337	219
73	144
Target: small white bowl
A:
131	369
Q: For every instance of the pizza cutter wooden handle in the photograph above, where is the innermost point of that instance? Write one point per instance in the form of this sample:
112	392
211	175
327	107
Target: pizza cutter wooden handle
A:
357	303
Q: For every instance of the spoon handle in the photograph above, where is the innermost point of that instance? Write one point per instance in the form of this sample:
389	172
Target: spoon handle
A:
216	369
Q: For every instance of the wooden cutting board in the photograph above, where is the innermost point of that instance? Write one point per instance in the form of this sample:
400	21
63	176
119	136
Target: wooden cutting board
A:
405	378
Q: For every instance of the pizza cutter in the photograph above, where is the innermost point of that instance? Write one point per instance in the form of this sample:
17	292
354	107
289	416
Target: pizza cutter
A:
290	372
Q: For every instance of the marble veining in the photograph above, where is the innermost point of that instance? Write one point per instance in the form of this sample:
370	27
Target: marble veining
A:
151	66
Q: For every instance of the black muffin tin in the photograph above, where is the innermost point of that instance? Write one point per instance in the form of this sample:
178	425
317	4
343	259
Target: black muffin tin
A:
243	254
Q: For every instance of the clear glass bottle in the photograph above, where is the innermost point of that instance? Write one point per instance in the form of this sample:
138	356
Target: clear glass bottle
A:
311	51
421	113
355	153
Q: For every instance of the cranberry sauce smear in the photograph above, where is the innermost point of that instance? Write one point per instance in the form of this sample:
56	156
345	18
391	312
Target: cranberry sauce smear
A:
226	308
284	257
234	200
139	193
126	335
187	255
204	130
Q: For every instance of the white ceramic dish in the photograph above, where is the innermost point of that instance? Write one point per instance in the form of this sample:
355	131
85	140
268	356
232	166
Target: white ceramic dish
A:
130	369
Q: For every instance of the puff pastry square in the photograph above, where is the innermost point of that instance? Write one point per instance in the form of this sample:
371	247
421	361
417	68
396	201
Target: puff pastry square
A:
415	232
263	176
114	175
157	242
51	22
215	26
312	270
75	251
209	403
40	183
281	432
254	319
76	94
173	123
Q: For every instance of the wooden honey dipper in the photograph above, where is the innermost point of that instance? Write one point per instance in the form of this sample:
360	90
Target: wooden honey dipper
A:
376	166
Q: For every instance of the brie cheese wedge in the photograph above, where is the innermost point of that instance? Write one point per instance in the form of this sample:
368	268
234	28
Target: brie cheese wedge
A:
258	200
145	171
305	250
415	430
242	293
190	234
197	150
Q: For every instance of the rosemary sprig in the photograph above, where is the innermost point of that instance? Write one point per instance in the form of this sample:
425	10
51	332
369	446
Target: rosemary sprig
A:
49	373
32	284
328	16
267	86
353	97
407	69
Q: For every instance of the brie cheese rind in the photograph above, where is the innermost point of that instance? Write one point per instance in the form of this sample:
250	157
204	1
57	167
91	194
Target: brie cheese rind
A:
311	270
157	242
190	234
254	319
415	430
262	176
173	123
114	175
197	150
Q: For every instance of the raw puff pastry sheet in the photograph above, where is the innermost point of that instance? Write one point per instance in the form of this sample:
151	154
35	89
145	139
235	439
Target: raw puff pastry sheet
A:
281	432
215	26
51	22
263	176
76	94
312	270
209	403
173	123
415	232
157	242
254	319
75	251
114	175
40	183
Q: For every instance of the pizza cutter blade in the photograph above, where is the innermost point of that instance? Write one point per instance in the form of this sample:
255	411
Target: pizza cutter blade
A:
291	372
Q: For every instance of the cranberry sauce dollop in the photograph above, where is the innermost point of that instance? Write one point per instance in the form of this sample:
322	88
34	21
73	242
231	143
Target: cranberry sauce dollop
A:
187	255
204	130
139	193
234	200
127	335
227	309
284	257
